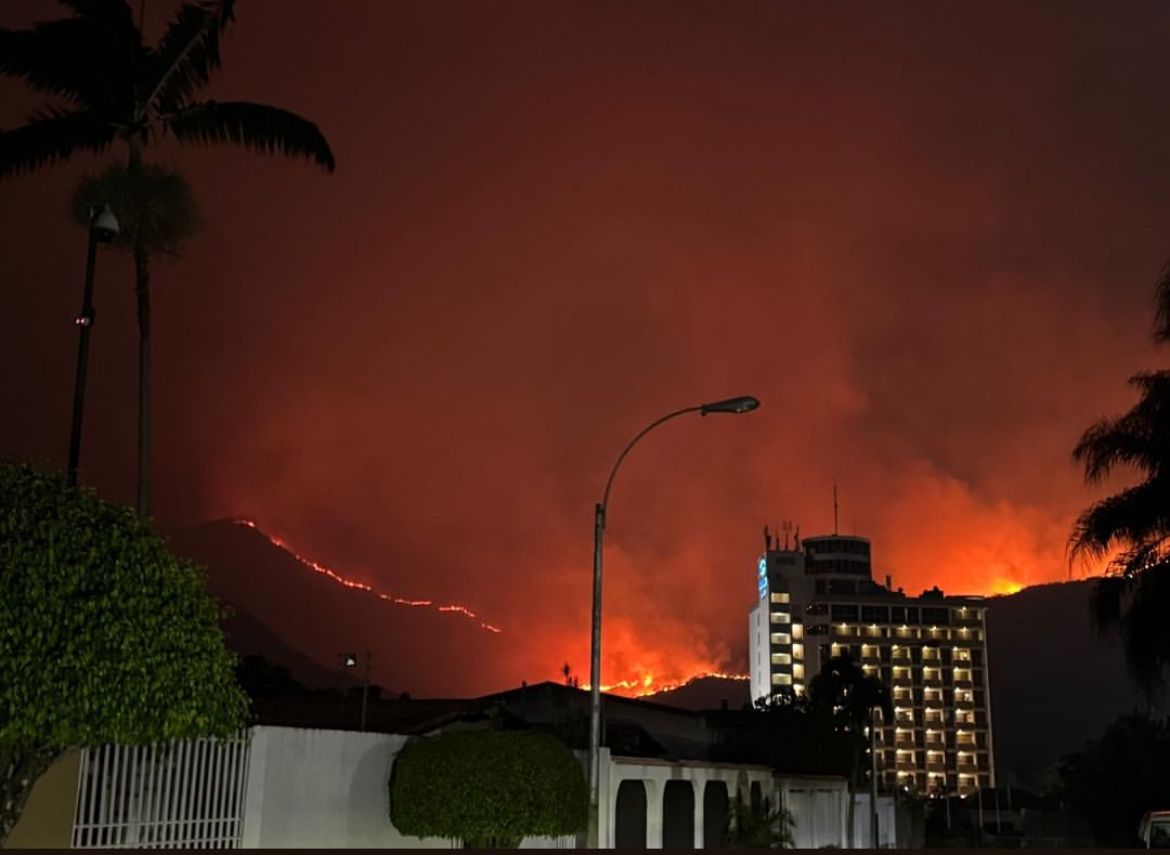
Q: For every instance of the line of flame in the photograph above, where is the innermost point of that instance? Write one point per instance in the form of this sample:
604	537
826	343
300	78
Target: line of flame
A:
282	544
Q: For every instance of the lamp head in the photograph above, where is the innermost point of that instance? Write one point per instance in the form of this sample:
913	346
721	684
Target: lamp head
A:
104	224
742	404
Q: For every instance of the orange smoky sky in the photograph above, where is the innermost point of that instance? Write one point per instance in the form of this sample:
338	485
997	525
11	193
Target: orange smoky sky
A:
924	235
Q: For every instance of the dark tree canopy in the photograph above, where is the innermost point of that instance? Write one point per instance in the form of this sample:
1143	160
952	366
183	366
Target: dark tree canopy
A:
151	201
488	788
1131	528
107	84
104	635
1118	777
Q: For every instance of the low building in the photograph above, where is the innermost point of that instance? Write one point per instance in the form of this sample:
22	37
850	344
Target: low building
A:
281	786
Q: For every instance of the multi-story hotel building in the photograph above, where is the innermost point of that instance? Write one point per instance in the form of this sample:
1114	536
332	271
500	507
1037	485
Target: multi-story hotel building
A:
819	599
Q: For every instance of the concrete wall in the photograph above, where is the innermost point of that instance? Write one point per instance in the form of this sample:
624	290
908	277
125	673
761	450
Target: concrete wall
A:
887	822
320	788
819	810
328	789
47	820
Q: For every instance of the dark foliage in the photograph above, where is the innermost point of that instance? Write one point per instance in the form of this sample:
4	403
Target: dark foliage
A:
1119	777
1131	526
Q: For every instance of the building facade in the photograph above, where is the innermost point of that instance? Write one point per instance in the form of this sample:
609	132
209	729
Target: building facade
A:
819	599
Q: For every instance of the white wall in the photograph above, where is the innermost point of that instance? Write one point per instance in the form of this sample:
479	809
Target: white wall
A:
322	788
818	807
887	822
328	789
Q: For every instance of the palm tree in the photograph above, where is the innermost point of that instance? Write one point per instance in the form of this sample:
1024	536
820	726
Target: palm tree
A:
110	87
845	694
1133	526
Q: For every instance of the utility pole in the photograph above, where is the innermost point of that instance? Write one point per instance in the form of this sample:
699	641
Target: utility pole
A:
873	787
365	688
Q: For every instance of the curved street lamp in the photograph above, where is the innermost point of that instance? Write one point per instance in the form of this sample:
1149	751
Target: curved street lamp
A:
741	404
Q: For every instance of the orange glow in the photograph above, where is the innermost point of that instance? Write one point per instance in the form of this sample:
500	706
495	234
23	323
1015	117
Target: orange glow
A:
333	574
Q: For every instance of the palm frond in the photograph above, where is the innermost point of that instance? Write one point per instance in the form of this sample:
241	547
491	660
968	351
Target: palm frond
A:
1113	442
1140	438
117	11
1162	305
1138	516
81	59
41	58
265	129
52	136
188	52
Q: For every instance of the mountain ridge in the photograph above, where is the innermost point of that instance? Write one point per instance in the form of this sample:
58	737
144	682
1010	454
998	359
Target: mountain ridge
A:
1054	681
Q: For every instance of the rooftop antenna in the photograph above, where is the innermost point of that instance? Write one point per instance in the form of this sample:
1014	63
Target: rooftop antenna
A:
796	540
767	540
834	506
787	529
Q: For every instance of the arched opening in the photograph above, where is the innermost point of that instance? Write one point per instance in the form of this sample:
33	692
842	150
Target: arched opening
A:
630	816
715	812
678	815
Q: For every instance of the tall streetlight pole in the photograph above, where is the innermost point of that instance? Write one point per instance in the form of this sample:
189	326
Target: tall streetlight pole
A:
742	404
103	228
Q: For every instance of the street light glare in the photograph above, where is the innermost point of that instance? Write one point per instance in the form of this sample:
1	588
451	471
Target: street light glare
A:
742	404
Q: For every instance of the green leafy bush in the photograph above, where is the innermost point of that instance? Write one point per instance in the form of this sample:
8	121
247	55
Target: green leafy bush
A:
488	788
105	637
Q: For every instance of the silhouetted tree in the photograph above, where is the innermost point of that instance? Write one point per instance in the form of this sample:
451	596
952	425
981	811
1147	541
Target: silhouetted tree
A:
1119	777
1134	524
786	732
110	86
848	696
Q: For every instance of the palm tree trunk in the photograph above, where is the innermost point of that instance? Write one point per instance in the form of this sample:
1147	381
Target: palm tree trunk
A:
142	292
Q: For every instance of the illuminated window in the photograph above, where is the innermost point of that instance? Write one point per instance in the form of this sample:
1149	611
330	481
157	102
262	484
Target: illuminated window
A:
781	638
798	671
781	617
798	630
797	651
781	659
781	679
779	597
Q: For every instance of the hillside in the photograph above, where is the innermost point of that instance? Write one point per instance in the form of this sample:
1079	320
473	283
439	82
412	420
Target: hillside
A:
298	617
